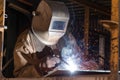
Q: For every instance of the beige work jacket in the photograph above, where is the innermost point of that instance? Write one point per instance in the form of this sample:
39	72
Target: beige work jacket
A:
26	62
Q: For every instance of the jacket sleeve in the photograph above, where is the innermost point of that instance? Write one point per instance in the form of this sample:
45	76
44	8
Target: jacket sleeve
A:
25	58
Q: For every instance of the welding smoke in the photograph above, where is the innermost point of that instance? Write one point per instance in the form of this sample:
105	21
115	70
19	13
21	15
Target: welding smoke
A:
73	55
70	53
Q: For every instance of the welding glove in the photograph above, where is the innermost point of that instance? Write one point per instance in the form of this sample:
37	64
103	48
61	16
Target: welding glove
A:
51	62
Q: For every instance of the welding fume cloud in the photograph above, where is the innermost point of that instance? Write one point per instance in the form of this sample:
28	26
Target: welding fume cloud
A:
73	56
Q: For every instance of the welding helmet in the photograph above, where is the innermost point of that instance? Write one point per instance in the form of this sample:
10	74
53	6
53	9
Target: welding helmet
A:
50	21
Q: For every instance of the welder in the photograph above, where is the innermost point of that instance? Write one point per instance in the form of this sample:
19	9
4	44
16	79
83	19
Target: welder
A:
34	50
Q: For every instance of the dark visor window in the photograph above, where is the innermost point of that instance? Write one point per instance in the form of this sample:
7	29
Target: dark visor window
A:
58	25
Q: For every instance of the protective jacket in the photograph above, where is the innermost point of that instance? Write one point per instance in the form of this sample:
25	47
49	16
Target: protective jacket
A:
29	55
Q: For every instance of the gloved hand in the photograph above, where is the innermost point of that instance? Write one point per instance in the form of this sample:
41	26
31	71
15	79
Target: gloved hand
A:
51	62
47	65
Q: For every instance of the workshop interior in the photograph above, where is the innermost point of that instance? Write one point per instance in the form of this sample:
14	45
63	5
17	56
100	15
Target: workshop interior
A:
84	48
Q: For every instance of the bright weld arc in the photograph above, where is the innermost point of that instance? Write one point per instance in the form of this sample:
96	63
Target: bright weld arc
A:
72	67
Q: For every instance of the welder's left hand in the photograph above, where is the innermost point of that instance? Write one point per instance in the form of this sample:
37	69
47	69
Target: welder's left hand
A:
51	62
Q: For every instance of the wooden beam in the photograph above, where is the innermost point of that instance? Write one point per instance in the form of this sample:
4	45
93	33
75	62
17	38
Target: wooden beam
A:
16	7
91	5
2	12
113	26
114	59
26	2
86	29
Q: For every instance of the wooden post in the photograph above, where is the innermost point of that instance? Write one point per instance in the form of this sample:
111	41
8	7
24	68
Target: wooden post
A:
86	29
1	12
113	27
115	41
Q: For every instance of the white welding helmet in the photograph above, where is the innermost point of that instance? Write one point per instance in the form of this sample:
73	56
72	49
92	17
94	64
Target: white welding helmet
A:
50	21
